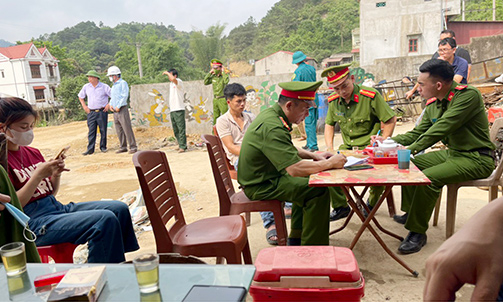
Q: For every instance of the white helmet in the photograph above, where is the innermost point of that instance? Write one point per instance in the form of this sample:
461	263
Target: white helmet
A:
113	70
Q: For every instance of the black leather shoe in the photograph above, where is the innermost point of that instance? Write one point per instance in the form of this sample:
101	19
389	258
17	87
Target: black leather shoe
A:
370	208
339	213
412	243
401	219
87	153
104	150
293	241
305	147
121	151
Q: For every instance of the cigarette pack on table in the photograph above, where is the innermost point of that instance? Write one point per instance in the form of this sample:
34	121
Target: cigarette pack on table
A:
307	273
80	284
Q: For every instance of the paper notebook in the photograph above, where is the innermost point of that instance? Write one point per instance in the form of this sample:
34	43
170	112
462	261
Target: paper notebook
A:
355	161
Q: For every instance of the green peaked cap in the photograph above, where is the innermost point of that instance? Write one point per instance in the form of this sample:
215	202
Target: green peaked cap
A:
216	61
93	73
304	91
335	69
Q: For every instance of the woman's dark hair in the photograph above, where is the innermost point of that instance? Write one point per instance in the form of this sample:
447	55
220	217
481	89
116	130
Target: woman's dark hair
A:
13	109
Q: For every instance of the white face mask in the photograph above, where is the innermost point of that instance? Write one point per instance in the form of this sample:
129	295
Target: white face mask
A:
111	79
21	138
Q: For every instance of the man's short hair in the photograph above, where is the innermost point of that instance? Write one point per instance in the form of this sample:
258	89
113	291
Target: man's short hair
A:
233	89
173	72
449	32
450	41
438	69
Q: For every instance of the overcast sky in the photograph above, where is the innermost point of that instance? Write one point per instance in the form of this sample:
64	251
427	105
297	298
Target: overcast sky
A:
20	20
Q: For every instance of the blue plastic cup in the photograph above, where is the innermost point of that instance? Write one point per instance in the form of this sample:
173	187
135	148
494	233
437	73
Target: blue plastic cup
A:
403	158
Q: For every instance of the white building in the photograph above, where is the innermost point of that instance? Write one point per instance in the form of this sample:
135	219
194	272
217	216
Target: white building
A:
397	28
278	63
30	73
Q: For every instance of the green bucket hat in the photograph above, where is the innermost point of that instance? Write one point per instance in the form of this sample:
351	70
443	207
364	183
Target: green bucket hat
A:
298	57
93	73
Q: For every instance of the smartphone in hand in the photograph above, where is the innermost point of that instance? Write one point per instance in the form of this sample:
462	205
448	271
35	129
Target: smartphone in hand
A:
62	152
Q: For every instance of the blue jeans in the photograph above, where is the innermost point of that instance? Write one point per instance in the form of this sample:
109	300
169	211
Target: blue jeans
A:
267	217
106	225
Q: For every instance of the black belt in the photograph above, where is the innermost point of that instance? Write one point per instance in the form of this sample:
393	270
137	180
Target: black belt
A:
98	110
486	152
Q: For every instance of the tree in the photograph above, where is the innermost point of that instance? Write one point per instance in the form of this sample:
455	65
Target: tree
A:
207	46
67	93
482	10
240	40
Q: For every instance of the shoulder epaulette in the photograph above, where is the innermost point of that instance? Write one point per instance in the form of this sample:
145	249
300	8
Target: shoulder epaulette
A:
285	124
333	96
460	87
368	93
431	100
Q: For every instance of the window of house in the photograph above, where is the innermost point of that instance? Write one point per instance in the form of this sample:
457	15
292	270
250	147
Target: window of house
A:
35	71
39	94
2	73
412	45
51	71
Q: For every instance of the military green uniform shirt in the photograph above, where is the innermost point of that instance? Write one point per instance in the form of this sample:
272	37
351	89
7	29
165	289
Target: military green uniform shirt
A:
359	119
219	103
460	121
267	150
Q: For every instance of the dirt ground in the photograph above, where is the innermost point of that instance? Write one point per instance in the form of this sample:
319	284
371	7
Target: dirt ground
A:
109	176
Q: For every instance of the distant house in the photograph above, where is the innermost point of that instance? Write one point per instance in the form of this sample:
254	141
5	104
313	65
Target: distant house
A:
337	59
278	63
395	28
30	73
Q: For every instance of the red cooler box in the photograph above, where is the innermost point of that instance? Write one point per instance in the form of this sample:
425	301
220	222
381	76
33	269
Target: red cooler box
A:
307	273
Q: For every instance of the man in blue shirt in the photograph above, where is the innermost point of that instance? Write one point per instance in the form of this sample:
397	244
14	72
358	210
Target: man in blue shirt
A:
118	104
447	52
307	73
96	108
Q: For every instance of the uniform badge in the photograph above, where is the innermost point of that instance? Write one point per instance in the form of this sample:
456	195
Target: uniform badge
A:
356	98
451	95
285	124
460	87
331	73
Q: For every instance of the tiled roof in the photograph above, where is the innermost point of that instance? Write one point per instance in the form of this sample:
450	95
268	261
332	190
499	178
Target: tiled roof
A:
18	51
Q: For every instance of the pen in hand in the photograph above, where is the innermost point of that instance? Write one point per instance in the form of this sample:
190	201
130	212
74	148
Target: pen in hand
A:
377	135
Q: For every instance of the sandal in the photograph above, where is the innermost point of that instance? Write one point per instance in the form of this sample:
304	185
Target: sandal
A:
269	235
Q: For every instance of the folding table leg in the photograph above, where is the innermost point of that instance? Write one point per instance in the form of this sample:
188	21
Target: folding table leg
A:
367	225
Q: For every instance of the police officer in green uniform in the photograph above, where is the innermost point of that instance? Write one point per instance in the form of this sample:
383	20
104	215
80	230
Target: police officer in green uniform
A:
359	111
307	73
271	167
219	79
454	114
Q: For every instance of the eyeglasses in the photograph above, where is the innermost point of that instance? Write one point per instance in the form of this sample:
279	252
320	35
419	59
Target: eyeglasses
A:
444	49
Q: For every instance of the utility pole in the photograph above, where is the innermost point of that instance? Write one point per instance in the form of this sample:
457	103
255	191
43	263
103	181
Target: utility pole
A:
462	10
494	10
139	59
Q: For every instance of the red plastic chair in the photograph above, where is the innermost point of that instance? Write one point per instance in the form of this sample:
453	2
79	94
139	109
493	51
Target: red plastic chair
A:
60	253
237	203
221	237
232	172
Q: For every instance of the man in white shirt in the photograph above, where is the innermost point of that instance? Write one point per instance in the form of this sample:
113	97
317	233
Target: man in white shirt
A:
177	109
